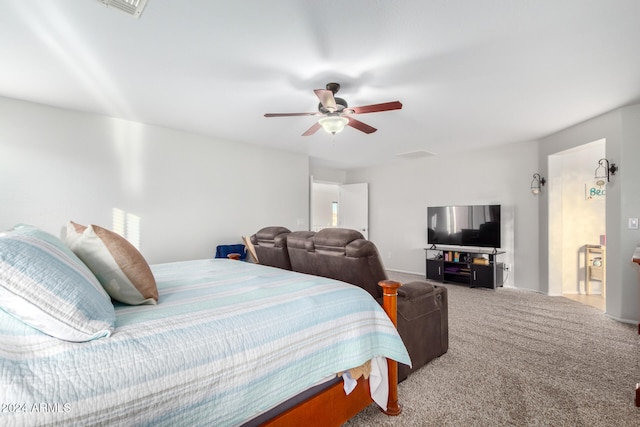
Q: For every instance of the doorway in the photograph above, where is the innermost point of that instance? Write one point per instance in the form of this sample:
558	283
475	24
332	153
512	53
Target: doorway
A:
577	222
340	205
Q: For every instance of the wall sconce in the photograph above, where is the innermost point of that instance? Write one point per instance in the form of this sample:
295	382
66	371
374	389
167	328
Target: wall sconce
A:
536	184
603	170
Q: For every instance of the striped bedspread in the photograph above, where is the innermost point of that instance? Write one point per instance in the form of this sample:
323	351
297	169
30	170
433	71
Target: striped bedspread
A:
227	341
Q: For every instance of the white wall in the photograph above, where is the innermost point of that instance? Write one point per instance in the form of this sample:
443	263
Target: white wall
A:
191	192
321	174
400	192
628	159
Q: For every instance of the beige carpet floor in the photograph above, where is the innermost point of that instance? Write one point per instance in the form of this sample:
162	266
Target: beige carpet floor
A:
520	358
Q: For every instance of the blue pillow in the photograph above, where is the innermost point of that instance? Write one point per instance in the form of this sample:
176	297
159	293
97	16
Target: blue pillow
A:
46	286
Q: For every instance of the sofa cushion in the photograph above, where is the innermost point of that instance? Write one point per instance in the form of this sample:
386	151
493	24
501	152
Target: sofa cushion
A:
334	240
298	244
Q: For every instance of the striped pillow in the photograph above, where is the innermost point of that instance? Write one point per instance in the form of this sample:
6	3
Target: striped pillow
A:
43	284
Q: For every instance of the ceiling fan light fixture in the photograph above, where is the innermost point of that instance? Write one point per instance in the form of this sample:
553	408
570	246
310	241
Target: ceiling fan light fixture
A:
333	124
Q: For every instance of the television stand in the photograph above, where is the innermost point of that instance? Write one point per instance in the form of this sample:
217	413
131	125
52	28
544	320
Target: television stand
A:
477	268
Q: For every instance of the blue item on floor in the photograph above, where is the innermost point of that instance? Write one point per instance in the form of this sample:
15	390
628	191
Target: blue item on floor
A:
223	250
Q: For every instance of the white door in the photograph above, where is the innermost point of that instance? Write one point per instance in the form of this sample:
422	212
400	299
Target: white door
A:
353	207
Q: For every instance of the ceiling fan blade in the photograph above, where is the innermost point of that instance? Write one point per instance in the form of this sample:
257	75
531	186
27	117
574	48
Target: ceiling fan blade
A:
290	114
385	106
363	127
313	129
326	99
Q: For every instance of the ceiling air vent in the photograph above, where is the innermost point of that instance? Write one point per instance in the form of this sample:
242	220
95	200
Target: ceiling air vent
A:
130	7
415	154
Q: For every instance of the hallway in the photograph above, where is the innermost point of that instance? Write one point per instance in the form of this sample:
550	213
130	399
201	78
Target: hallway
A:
596	301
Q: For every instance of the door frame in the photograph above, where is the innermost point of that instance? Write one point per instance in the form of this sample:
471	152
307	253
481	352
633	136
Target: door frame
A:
338	185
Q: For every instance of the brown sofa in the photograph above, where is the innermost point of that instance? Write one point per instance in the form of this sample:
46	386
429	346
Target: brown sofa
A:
345	255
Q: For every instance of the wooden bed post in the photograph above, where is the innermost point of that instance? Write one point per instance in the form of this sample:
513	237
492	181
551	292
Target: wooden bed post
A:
390	305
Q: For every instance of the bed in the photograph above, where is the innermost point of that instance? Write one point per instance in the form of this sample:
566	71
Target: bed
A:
225	343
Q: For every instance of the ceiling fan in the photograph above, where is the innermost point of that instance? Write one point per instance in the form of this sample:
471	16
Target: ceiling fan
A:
336	114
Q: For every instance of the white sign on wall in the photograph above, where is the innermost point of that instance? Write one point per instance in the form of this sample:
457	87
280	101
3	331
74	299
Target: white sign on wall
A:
595	190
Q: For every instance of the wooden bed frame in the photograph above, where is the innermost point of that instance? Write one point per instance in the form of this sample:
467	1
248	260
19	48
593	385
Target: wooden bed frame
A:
332	407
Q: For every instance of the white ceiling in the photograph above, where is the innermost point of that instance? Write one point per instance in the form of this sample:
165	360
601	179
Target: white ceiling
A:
470	73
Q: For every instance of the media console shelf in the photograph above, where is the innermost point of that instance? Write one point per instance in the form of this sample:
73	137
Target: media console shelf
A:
477	268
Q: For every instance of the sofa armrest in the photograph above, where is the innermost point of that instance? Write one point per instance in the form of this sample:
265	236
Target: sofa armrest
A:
415	289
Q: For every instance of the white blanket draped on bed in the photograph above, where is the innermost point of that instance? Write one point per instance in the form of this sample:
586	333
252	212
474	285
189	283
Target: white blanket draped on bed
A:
227	341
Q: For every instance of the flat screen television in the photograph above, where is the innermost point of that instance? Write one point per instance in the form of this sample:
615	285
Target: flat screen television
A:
477	225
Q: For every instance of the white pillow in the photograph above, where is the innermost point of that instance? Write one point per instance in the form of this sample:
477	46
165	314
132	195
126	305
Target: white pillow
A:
43	284
118	265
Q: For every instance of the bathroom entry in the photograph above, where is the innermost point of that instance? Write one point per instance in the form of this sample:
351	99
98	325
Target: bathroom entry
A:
577	224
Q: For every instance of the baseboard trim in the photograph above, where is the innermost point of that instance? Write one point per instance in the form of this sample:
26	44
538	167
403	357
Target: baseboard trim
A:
407	272
580	293
621	320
